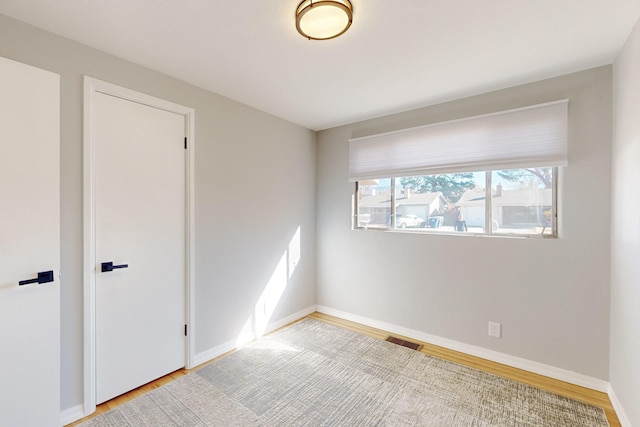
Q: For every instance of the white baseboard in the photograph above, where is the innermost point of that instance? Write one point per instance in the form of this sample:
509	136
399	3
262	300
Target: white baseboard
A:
617	406
505	359
214	352
71	415
223	348
290	319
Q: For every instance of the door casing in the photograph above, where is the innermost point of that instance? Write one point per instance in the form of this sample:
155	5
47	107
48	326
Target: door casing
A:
91	87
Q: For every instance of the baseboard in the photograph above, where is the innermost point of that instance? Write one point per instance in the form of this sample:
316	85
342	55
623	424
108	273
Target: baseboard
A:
494	356
223	348
214	352
71	415
290	319
617	406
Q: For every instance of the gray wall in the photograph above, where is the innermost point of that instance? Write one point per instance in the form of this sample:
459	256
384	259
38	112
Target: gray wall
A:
625	230
552	296
254	184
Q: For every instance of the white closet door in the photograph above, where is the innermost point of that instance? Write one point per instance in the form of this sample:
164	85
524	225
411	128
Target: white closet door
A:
140	211
29	244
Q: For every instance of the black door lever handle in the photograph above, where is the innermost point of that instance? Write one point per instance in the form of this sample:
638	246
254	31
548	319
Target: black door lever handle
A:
108	266
43	277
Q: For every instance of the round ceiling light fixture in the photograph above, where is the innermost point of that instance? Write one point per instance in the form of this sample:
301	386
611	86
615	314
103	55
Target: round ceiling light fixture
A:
323	19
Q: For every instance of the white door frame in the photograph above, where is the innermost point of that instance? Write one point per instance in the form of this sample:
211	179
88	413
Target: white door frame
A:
91	88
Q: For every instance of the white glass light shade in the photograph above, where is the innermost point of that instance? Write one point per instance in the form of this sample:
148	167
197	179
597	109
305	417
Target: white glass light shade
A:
323	19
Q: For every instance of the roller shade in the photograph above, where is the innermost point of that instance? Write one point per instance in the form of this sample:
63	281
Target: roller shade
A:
533	136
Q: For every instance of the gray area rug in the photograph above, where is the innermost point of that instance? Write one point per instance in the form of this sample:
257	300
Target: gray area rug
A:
315	374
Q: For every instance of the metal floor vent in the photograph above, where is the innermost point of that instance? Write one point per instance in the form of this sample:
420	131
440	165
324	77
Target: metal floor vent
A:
408	344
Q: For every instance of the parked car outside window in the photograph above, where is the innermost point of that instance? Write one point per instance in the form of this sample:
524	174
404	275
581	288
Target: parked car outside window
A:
404	221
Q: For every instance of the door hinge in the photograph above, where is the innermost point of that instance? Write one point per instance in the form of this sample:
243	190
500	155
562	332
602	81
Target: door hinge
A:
185	142
185	330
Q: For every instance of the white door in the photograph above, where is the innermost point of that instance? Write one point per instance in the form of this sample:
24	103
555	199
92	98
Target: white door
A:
140	228
29	244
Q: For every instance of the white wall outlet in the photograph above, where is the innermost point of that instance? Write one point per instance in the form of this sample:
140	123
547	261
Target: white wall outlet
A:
495	329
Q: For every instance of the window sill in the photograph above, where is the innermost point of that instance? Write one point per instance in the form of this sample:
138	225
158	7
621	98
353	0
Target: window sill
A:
455	233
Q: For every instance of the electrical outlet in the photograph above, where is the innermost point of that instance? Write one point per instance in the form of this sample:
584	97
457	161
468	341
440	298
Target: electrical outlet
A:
495	329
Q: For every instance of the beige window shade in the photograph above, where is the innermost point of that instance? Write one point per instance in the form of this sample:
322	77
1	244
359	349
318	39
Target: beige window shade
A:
525	137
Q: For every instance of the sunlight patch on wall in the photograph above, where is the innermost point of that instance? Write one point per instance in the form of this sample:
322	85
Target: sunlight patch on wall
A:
270	297
294	252
257	324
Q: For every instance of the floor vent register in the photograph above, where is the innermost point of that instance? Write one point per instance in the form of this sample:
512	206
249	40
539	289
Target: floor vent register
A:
404	343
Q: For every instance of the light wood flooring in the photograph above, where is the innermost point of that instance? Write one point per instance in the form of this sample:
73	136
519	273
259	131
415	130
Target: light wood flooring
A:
562	388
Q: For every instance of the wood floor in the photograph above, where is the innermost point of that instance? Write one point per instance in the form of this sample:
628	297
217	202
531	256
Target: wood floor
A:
562	388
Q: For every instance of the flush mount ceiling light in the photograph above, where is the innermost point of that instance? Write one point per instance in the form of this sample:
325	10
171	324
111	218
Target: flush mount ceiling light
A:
323	19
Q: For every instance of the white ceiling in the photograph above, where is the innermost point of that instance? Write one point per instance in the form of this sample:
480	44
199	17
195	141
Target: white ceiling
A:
398	54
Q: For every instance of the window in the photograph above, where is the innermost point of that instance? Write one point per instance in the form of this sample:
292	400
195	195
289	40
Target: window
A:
521	202
490	174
